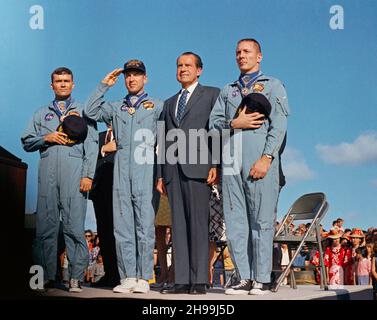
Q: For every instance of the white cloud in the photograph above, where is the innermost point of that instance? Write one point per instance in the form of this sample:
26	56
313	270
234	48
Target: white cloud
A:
295	167
362	150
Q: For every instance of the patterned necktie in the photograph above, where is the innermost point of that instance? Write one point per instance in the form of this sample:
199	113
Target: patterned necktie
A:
181	105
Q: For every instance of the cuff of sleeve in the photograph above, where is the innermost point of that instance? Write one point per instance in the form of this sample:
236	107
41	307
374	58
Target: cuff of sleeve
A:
44	144
102	152
89	176
270	152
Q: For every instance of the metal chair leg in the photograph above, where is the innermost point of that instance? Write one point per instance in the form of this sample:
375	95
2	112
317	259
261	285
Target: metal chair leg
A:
323	283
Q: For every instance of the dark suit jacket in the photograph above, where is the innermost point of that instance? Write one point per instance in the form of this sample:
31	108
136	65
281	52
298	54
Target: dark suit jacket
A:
103	178
195	116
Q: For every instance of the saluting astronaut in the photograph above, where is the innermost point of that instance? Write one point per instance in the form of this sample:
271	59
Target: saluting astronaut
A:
134	122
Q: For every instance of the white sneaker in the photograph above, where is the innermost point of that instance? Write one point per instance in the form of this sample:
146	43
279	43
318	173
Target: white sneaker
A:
126	285
258	289
74	285
142	286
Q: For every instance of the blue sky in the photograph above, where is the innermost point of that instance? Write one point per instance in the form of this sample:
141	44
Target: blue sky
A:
330	76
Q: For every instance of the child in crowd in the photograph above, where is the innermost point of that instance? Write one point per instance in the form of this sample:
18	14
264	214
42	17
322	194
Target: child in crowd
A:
98	269
163	239
335	259
64	266
369	246
363	266
93	254
231	275
345	241
357	237
339	224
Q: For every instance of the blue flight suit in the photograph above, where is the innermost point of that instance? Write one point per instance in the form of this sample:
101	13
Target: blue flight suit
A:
250	205
61	168
134	179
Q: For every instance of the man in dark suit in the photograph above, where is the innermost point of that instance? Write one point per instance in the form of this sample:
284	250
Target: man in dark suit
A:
187	181
101	195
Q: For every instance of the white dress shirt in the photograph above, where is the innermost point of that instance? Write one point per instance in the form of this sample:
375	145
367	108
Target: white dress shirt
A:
190	90
109	139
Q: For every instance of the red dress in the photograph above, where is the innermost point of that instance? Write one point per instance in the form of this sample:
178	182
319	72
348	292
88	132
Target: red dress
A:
349	270
335	259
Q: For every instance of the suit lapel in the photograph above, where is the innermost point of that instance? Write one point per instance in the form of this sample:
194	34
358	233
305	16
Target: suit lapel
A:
101	139
193	100
172	109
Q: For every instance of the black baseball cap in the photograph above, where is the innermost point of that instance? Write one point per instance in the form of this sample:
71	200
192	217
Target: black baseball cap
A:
256	102
75	127
134	65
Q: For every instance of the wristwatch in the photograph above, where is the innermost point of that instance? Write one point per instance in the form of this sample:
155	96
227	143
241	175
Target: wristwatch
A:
268	156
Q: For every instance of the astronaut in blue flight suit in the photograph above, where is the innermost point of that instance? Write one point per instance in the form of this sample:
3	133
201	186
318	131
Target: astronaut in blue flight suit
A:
66	170
251	190
134	121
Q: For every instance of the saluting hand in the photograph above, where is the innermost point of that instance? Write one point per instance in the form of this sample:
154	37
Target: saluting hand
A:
56	137
248	120
112	77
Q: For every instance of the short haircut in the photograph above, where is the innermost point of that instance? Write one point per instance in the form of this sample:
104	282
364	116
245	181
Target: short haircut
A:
198	62
61	70
251	40
363	251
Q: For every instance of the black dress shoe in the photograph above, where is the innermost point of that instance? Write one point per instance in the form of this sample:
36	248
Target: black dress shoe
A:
48	284
175	289
198	289
105	282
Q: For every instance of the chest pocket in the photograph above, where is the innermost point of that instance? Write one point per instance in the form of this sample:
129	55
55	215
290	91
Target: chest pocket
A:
50	126
119	126
146	118
283	103
147	124
232	103
75	154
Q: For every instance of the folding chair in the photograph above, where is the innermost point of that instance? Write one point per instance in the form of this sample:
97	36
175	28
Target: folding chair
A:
221	246
311	207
